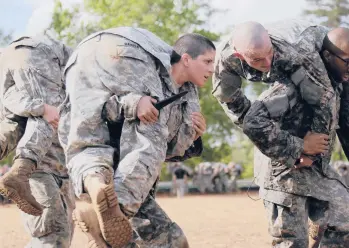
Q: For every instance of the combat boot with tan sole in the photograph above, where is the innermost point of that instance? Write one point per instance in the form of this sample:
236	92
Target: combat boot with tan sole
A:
15	186
86	220
115	227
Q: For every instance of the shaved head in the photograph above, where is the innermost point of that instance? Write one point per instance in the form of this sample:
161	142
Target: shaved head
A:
335	54
337	41
252	44
250	38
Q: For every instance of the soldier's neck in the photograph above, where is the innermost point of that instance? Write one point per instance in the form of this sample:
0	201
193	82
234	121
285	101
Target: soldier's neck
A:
178	74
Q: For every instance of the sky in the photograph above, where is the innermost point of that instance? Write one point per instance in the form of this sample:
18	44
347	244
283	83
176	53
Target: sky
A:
29	17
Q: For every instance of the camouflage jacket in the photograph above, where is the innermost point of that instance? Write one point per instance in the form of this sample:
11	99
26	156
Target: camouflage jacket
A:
276	124
128	63
344	120
296	61
32	74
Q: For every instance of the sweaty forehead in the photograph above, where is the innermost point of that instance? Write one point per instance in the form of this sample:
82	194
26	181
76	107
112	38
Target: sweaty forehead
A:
258	53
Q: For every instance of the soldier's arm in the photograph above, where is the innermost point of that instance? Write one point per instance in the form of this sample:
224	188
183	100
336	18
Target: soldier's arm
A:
195	150
316	89
227	90
114	108
266	134
343	130
180	146
21	104
22	98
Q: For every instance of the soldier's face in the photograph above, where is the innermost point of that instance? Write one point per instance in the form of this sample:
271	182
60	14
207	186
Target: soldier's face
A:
339	67
200	69
260	59
336	60
259	56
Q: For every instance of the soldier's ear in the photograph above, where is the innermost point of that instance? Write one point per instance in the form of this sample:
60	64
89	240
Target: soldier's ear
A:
186	59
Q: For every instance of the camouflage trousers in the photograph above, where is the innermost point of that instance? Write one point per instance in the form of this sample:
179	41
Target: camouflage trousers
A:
11	131
221	183
288	225
135	188
153	228
180	187
36	141
32	137
54	228
204	183
233	183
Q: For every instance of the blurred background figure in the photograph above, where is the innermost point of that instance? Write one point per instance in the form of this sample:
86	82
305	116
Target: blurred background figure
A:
180	175
220	178
235	171
203	177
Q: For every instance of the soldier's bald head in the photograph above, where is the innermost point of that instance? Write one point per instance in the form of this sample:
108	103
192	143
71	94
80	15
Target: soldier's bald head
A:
253	45
335	54
250	38
337	40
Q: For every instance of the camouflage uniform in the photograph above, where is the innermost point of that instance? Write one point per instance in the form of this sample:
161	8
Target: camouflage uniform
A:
296	60
31	75
179	185
222	180
120	62
26	84
54	228
292	195
11	131
235	172
203	178
343	120
342	168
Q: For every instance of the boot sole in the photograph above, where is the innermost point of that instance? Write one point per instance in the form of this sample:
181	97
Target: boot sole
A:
21	203
115	227
94	239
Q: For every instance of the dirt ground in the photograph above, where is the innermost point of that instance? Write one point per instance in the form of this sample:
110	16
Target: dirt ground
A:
218	221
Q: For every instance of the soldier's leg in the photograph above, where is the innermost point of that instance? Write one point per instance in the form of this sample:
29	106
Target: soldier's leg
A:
31	149
54	227
153	228
233	185
152	225
318	219
11	132
208	184
68	198
36	140
288	226
183	187
85	218
218	184
337	233
199	183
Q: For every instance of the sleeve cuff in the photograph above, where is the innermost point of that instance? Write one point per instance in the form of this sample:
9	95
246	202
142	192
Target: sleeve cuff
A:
296	152
130	103
38	108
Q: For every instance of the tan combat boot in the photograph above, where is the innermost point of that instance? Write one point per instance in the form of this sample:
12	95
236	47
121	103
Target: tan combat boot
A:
115	227
86	220
15	186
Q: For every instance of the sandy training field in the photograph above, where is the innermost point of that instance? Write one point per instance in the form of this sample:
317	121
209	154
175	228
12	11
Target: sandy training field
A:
209	221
